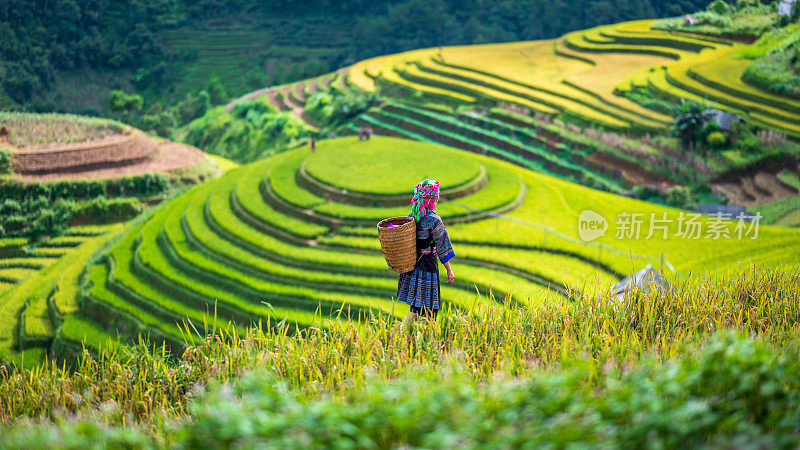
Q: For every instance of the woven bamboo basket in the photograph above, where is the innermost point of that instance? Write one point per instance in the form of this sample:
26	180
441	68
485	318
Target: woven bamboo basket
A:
399	243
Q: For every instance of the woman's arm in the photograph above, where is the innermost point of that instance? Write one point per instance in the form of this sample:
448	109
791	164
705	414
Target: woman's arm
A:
450	276
444	248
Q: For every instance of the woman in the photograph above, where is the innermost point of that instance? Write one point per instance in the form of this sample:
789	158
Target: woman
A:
420	287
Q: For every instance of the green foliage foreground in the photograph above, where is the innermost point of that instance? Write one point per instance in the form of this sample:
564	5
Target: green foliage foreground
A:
734	393
657	370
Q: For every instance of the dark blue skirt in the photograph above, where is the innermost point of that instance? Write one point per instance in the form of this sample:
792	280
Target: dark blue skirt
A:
419	289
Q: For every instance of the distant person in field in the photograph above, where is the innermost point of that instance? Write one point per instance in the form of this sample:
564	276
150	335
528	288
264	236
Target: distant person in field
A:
420	287
368	132
313	144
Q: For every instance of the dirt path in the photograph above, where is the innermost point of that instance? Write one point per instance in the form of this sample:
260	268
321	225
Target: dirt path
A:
275	100
299	92
287	99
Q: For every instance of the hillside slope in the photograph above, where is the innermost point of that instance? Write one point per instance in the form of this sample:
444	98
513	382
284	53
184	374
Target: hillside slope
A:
72	60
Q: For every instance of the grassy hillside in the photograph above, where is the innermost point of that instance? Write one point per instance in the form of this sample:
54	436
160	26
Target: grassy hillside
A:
287	238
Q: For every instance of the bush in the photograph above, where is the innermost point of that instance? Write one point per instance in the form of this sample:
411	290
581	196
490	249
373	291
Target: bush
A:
250	131
161	123
34	218
119	101
147	185
747	141
777	72
6	166
216	90
716	139
50	221
335	107
719	7
102	210
35	210
194	106
680	197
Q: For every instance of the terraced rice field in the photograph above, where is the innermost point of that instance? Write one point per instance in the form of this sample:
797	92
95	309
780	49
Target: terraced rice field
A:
498	136
757	189
582	74
40	287
231	53
27	130
293	236
47	147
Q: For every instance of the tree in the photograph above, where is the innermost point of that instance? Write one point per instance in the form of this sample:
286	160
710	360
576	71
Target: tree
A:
719	7
119	101
689	119
194	106
681	197
216	90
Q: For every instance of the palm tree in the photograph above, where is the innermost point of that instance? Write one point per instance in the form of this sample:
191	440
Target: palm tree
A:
689	119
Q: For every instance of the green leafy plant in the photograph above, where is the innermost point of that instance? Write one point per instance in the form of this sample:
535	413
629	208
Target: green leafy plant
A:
716	139
719	7
252	129
119	101
101	210
34	218
689	118
6	163
681	197
335	107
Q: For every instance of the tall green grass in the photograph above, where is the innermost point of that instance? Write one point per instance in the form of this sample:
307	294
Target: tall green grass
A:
36	129
146	386
731	393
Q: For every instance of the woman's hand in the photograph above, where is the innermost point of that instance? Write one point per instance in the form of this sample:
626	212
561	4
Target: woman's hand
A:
450	276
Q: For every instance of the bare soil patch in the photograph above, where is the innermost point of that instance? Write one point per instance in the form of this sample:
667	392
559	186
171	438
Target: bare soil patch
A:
634	173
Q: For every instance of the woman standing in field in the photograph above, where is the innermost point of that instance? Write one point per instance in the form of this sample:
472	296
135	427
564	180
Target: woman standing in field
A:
420	287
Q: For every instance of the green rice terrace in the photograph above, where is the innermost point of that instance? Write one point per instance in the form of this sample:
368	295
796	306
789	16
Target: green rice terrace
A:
293	236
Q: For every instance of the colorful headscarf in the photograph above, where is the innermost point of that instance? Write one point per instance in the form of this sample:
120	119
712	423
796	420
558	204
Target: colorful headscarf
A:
425	195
